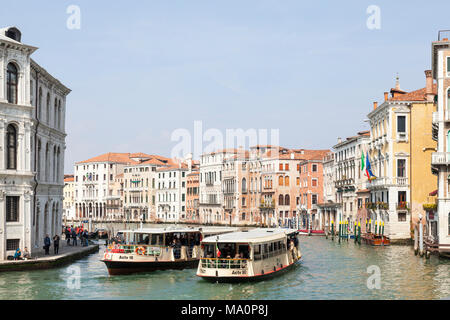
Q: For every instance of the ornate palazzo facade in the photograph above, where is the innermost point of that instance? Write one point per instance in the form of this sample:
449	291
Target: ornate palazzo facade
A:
32	113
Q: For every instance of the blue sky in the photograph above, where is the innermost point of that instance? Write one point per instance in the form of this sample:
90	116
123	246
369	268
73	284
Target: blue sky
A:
141	69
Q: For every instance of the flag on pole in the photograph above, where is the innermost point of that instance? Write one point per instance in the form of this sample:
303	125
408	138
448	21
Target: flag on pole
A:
369	173
217	251
362	160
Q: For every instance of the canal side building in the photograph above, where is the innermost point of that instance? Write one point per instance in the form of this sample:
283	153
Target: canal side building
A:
400	153
441	159
171	192
350	179
139	187
69	197
32	124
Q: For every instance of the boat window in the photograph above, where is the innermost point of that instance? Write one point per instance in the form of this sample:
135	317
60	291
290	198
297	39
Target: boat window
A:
154	239
243	252
208	251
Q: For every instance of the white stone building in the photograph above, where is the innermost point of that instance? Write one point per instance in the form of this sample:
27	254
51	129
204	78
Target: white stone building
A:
211	196
95	180
441	159
140	186
69	198
32	122
349	178
171	193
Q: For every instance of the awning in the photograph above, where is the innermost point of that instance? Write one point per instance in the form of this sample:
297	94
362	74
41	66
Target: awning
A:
434	193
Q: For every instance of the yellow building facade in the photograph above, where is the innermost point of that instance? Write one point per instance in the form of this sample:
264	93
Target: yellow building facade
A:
400	155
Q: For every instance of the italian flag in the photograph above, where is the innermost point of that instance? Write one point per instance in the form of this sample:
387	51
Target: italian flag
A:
217	251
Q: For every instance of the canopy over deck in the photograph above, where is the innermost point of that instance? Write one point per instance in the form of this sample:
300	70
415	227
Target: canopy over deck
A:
252	236
203	230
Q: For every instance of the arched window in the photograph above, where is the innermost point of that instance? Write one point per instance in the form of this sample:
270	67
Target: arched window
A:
286	181
59	115
280	180
287	200
39	104
244	185
55	114
11	147
48	108
11	83
280	200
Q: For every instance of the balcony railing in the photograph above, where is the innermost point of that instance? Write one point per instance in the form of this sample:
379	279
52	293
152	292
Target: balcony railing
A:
401	181
267	205
438	158
377	205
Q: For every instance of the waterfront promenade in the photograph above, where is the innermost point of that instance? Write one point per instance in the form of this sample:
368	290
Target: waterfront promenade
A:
66	254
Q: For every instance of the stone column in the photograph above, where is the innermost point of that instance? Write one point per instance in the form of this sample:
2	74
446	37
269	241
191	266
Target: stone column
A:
2	76
2	226
21	148
2	144
27	220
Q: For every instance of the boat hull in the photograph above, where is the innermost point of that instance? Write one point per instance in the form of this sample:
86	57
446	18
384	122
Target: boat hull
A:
377	241
125	267
259	277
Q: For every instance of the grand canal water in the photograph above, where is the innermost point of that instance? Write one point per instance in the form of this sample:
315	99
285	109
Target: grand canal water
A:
328	271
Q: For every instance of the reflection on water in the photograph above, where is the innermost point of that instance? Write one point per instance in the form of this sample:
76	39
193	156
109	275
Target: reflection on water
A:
328	270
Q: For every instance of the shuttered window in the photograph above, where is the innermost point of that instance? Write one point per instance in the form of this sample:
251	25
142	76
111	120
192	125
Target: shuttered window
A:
12	209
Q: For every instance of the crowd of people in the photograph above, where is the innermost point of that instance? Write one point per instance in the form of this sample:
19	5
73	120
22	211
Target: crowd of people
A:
75	233
70	232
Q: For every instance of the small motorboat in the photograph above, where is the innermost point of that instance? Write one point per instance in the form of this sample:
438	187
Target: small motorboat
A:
375	239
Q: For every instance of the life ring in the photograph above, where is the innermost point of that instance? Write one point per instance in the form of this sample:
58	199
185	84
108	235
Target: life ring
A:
140	251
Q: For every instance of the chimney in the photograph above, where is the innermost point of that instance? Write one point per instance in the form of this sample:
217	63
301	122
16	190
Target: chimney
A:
339	140
429	86
386	96
375	105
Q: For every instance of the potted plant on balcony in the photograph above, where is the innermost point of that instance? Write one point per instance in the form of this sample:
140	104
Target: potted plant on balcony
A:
403	205
430	206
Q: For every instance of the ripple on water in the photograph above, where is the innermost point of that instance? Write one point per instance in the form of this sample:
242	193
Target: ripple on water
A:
328	270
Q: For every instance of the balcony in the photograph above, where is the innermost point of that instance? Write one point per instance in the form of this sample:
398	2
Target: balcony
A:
440	158
380	182
403	206
401	181
377	205
267	205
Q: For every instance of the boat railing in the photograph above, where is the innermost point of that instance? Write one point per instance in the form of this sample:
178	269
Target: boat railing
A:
139	249
218	263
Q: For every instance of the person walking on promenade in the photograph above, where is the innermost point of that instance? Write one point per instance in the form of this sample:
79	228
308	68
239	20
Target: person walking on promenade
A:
47	244
67	234
74	237
86	237
56	244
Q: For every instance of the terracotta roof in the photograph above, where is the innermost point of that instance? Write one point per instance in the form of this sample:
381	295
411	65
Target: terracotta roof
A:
111	157
417	95
299	154
69	179
126	158
173	167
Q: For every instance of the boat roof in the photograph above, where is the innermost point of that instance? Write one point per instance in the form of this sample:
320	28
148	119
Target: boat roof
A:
251	236
203	230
